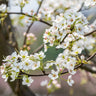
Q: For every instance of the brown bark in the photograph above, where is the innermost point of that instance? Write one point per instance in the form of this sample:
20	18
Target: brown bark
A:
7	46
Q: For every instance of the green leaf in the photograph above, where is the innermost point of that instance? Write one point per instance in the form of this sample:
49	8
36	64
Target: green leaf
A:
22	17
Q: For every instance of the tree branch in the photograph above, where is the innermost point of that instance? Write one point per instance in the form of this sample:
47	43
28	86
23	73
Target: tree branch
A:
90	33
64	38
39	7
81	7
82	66
27	33
21	13
31	24
45	22
92	56
38	49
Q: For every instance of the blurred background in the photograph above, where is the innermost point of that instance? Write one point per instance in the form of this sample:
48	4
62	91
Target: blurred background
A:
85	86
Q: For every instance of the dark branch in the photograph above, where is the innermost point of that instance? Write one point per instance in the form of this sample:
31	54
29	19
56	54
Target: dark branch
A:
81	7
90	33
63	39
39	7
21	13
92	56
27	33
31	24
45	22
46	74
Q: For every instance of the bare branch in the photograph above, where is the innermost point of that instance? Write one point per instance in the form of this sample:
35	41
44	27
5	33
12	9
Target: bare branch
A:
45	22
64	39
82	5
31	24
21	13
91	57
38	49
39	7
90	33
27	33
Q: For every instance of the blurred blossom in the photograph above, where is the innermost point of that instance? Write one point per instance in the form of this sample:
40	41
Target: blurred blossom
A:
49	7
44	83
30	38
27	80
70	81
90	3
3	7
54	82
58	86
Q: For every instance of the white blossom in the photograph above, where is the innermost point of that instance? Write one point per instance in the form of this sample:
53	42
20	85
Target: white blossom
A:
44	83
65	28
3	7
39	55
53	75
5	76
27	80
27	64
35	65
14	75
16	67
70	81
23	54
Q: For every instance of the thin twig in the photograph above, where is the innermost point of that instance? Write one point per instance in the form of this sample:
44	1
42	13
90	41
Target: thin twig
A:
19	13
90	33
45	22
31	24
91	57
27	33
39	7
38	49
81	7
64	38
46	74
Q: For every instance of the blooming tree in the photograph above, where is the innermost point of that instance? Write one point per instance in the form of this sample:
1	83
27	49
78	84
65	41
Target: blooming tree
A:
68	30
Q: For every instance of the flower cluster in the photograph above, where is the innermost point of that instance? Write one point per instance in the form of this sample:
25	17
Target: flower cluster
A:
63	61
21	2
50	8
72	23
15	64
90	3
68	32
30	38
52	86
3	7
